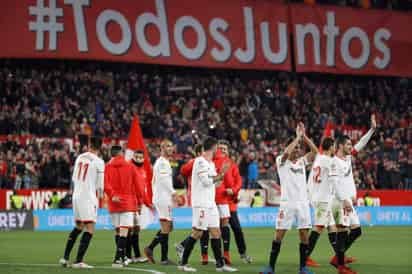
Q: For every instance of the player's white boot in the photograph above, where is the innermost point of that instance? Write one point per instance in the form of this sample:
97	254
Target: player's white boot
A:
246	258
81	265
226	268
127	261
139	260
64	262
118	264
186	268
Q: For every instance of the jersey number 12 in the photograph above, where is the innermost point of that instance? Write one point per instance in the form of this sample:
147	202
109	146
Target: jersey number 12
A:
316	174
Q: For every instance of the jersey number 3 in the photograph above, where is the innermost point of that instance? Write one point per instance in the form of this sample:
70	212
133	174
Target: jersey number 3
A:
82	167
316	174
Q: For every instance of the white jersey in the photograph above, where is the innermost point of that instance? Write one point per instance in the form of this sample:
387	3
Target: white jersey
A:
321	187
162	182
345	175
88	177
203	187
292	177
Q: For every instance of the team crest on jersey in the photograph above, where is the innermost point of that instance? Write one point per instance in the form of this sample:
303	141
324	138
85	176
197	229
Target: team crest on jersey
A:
346	174
297	170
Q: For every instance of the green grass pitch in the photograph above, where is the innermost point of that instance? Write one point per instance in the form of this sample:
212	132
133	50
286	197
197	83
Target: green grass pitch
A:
380	250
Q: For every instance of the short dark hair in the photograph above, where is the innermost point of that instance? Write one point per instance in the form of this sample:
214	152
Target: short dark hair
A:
327	143
198	149
115	150
223	142
95	142
342	140
138	151
209	143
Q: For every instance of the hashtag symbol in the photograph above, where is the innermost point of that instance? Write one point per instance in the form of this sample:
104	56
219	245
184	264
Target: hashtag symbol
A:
40	26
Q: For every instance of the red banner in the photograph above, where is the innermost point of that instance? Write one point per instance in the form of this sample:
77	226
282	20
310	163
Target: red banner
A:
224	34
235	34
389	197
351	41
32	198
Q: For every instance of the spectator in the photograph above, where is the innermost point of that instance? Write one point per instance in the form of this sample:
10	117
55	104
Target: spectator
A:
408	179
252	171
16	201
54	201
3	171
257	200
254	111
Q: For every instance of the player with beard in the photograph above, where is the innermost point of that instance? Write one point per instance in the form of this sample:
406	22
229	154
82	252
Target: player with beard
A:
294	204
164	195
205	212
133	236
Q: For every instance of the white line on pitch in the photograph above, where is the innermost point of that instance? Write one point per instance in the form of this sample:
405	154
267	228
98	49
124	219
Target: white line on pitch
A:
96	267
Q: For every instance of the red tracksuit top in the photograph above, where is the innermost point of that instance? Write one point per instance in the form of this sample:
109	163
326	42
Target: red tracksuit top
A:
141	172
121	179
186	171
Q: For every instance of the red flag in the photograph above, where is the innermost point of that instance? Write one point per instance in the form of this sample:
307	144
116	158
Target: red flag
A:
134	142
328	129
327	132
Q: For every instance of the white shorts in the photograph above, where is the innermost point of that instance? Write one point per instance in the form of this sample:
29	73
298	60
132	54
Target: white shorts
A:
343	218
164	211
204	218
85	211
323	214
224	212
293	211
136	219
122	219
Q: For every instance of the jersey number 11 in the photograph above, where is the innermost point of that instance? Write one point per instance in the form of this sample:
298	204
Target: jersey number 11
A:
79	173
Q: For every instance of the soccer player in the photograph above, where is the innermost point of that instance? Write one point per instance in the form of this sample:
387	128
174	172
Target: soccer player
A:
322	189
205	213
124	193
88	178
186	169
225	193
294	202
163	197
222	202
345	215
133	236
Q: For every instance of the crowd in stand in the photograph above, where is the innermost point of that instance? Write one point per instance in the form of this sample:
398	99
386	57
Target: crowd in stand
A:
256	111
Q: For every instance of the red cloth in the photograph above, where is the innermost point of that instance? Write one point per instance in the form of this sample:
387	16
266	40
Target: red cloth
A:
237	185
222	198
121	180
354	152
143	182
3	168
186	171
136	141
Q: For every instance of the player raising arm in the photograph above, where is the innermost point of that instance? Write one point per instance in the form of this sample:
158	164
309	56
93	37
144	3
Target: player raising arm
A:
294	202
346	183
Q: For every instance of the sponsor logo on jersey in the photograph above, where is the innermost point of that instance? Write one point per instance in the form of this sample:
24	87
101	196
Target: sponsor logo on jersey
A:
297	170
